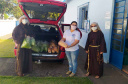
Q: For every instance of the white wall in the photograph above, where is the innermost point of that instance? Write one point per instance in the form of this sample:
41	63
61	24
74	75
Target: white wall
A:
7	26
71	13
96	13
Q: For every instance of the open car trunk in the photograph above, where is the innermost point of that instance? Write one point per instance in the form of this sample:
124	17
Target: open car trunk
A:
47	34
43	15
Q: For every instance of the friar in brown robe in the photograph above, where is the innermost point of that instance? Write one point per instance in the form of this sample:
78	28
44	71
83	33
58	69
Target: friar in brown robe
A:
94	45
24	56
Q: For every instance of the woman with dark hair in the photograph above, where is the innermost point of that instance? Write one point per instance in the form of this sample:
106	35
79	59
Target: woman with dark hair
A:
72	37
24	57
95	47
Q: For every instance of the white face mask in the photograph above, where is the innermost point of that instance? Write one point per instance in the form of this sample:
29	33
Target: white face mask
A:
24	21
94	28
73	27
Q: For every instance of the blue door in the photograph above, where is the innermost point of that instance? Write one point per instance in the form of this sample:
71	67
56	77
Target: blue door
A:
118	33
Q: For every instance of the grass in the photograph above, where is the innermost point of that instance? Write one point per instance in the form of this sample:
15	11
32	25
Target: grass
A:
43	80
6	48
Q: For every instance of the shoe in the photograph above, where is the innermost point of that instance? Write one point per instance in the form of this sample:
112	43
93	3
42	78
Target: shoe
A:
71	75
97	77
69	72
87	74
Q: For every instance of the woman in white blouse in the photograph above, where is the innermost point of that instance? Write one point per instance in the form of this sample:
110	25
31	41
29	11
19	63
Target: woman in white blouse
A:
72	37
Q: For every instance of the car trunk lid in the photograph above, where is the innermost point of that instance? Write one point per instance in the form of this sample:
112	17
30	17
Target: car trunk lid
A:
43	11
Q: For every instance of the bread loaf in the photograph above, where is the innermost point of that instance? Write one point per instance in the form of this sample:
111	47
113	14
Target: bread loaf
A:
62	43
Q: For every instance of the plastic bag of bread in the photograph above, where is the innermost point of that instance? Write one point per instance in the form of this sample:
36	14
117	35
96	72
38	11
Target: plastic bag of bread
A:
53	51
56	49
53	43
62	43
49	50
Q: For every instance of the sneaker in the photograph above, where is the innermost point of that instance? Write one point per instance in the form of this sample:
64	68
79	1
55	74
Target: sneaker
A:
71	75
69	72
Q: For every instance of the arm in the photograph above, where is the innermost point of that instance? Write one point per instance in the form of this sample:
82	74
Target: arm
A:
74	43
63	39
18	34
15	35
31	31
77	38
102	45
87	44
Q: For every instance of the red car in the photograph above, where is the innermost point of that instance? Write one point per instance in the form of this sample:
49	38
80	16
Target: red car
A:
44	16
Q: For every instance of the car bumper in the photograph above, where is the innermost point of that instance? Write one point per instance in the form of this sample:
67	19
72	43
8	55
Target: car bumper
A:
46	58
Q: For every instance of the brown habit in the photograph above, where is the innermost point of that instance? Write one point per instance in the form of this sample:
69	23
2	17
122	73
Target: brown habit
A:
94	61
24	57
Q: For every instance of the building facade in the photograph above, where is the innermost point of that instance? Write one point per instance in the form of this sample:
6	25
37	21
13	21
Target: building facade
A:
96	12
111	15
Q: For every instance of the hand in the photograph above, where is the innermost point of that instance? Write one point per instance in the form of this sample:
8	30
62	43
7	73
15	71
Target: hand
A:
101	52
16	45
67	46
27	36
86	51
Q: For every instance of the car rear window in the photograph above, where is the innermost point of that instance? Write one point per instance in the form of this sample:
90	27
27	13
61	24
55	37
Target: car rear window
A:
42	11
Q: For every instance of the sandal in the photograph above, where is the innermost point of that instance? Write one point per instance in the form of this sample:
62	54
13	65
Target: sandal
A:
97	77
71	75
68	72
87	74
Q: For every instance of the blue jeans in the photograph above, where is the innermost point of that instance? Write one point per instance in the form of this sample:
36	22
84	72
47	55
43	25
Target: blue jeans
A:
72	60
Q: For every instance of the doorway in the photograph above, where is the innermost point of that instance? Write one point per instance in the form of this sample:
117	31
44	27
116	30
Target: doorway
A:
118	34
125	60
119	42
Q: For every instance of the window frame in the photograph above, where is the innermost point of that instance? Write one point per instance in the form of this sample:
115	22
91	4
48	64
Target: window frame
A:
79	11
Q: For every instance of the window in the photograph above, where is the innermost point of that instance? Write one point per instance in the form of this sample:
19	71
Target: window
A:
83	16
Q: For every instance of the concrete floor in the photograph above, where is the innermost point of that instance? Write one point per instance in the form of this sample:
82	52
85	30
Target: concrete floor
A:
111	74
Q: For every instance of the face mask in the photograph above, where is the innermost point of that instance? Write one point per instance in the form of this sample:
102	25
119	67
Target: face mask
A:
24	21
73	27
94	28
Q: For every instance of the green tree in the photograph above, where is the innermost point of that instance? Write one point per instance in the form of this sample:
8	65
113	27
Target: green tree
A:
10	7
5	7
16	11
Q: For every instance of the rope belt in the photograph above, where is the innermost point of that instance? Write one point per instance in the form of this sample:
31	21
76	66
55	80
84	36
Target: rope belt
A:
94	46
88	55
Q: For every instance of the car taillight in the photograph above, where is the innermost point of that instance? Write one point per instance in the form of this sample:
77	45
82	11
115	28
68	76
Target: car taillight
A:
62	48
